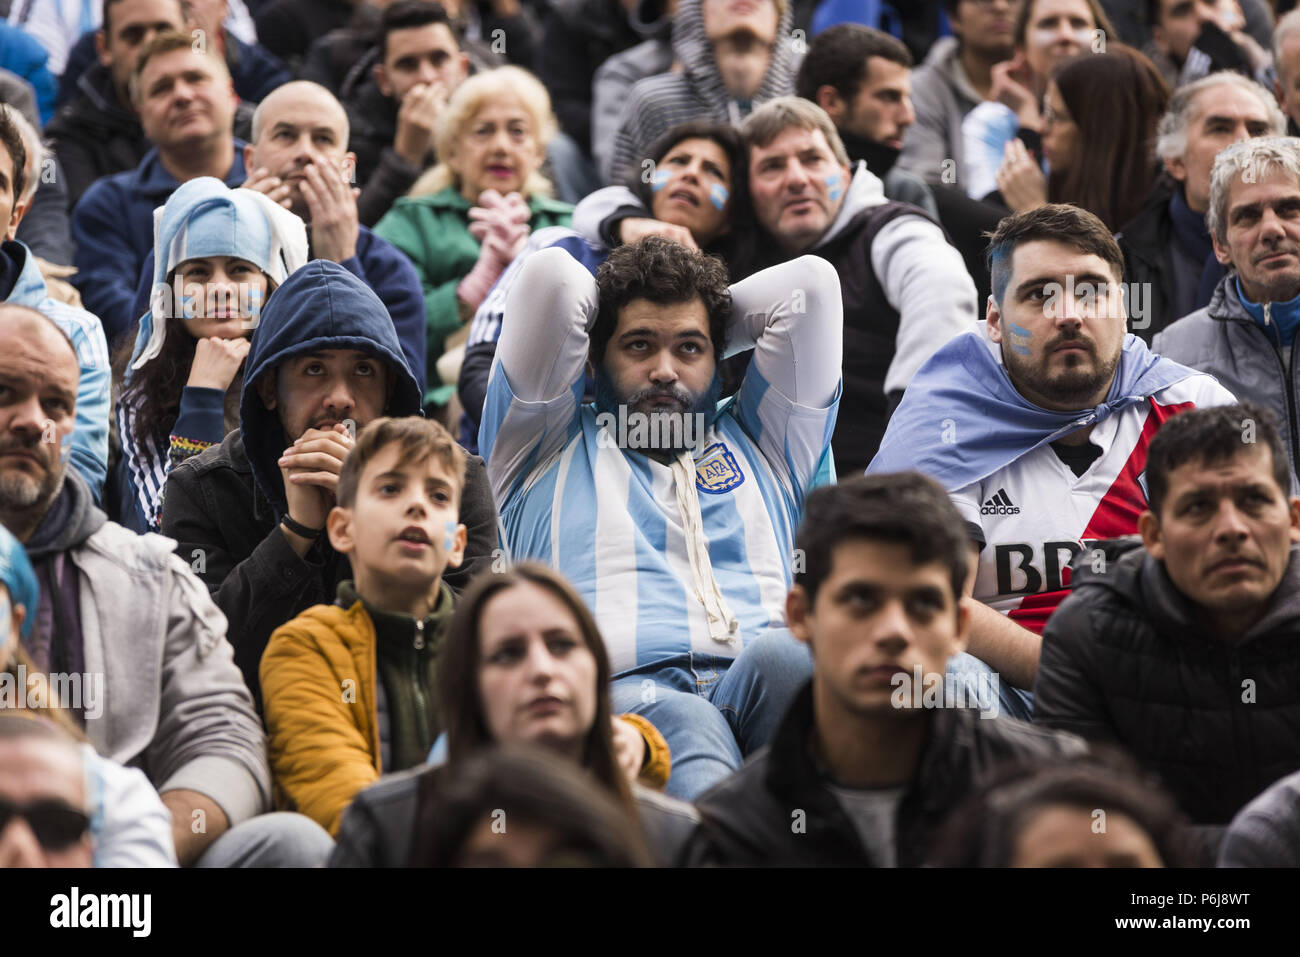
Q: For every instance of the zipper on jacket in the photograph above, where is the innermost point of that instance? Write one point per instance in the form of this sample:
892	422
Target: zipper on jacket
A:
1287	378
420	686
1290	404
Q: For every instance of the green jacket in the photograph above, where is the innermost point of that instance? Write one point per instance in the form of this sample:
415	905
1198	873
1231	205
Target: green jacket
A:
433	231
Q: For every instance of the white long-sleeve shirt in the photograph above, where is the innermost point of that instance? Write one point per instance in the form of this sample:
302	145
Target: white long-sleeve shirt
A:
666	555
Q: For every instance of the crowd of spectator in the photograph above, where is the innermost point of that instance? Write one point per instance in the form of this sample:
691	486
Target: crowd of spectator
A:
675	433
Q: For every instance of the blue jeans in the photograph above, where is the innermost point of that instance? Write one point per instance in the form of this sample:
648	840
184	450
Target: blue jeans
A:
716	711
278	839
1012	702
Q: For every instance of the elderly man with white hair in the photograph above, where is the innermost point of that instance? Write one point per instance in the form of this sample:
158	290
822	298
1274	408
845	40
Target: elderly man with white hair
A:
1168	258
1244	337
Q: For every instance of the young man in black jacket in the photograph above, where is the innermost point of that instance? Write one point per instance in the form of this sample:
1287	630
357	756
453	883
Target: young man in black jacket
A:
882	744
1187	651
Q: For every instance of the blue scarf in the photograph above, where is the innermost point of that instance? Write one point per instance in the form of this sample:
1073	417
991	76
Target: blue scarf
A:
961	419
1283	317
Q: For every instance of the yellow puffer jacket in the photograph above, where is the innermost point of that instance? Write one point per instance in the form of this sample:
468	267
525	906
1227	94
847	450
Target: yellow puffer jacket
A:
318	678
318	686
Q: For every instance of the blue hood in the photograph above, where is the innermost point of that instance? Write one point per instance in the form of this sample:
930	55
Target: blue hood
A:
962	419
320	306
17	576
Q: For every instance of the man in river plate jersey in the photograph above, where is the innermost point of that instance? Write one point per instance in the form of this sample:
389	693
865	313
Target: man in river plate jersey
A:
1038	423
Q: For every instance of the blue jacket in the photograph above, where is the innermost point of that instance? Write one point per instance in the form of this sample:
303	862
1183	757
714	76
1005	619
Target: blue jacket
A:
89	452
321	306
22	54
112	227
382	267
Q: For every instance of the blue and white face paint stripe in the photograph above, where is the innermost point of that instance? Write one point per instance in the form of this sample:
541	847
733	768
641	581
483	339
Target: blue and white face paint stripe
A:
834	189
1020	337
718	196
660	179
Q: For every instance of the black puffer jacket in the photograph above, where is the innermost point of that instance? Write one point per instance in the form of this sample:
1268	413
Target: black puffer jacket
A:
1127	660
747	819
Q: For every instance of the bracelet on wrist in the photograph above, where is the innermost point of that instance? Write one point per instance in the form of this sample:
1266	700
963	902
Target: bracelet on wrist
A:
301	530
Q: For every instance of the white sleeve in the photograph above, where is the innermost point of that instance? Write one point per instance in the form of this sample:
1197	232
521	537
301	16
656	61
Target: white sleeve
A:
925	280
596	207
967	502
49	23
131	827
534	391
1210	392
792	315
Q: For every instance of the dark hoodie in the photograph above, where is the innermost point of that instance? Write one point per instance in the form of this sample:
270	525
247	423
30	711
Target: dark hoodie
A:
1128	659
93	135
224	505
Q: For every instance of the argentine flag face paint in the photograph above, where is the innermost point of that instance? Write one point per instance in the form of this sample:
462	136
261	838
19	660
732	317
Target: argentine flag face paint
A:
718	196
833	189
660	179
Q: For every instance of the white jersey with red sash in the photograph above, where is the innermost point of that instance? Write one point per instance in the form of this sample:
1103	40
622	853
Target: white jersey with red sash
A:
1036	515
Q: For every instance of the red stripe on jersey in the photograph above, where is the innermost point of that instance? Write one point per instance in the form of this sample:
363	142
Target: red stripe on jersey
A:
1034	610
1116	515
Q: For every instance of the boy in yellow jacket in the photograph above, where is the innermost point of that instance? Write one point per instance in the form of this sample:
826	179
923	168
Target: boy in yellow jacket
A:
349	687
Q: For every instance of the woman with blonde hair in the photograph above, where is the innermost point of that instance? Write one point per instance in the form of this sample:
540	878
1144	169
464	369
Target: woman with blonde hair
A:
469	216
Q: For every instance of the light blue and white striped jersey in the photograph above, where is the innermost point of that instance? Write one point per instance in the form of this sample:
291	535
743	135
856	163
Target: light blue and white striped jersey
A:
665	555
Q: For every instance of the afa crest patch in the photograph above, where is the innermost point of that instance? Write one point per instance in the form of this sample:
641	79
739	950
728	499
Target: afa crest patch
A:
716	471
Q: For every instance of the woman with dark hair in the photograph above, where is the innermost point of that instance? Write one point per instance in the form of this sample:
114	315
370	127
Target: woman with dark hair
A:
219	253
1047	32
1099	131
522	664
696	178
518	808
1095	811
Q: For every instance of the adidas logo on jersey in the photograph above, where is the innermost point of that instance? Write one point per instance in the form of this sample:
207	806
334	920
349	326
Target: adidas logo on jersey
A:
1000	504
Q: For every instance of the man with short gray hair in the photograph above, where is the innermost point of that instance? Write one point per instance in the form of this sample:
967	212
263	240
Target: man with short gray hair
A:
1244	336
1167	251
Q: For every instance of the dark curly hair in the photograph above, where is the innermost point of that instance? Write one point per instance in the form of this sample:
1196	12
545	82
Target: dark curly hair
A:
664	273
737	245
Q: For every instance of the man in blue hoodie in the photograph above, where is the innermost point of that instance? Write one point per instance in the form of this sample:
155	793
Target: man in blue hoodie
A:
249	514
21	284
186	104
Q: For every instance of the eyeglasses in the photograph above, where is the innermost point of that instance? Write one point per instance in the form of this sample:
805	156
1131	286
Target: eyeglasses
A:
1051	117
57	825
